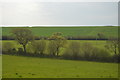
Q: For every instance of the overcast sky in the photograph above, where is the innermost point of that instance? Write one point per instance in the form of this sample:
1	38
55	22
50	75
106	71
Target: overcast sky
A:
59	13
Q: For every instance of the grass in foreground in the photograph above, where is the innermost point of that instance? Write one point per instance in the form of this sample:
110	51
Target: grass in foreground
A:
0	66
29	67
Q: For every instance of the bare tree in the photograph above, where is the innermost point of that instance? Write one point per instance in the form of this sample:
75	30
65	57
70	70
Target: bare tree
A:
23	36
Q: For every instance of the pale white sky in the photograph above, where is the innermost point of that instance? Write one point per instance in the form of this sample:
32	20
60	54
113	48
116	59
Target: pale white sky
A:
51	12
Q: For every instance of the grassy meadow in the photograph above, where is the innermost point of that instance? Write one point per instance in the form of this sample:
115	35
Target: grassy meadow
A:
0	66
69	31
29	67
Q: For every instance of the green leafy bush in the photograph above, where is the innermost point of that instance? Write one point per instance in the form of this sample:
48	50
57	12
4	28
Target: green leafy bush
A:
100	55
87	49
73	51
86	52
7	47
52	48
38	47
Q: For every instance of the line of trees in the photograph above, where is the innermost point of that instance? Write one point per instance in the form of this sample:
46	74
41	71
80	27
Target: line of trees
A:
57	46
67	37
99	36
86	51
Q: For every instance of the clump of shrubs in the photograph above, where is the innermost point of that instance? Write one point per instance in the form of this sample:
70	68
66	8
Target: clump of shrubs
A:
20	51
73	51
100	55
52	48
86	51
38	47
8	48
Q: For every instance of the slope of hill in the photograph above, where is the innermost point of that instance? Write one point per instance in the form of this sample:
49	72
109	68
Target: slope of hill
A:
29	67
69	31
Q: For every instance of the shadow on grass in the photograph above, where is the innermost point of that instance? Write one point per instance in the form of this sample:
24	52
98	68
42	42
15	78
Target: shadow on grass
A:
60	57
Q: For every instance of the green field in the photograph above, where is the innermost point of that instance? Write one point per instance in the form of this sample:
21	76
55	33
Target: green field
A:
0	66
69	31
29	67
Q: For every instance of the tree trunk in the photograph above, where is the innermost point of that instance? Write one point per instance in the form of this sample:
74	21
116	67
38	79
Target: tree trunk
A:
24	47
57	51
53	54
115	50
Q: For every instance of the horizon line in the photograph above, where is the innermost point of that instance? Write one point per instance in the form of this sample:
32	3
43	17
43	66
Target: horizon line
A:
54	25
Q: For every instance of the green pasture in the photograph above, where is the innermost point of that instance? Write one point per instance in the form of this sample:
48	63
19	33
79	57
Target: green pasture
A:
69	31
29	67
0	66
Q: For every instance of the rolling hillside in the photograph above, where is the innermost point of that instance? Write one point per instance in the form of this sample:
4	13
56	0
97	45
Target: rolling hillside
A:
69	31
29	67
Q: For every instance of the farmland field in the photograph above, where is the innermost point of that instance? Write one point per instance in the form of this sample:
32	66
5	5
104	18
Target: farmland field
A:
69	31
0	66
29	67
